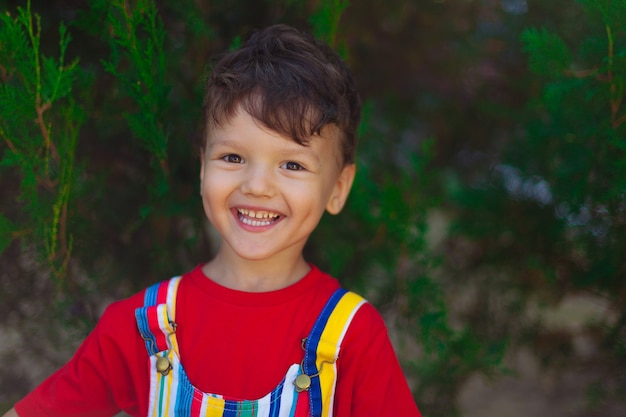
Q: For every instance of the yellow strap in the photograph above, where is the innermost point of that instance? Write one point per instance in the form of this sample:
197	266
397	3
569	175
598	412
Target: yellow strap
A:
330	343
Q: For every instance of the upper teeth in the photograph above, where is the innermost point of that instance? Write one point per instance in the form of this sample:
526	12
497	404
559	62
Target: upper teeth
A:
258	214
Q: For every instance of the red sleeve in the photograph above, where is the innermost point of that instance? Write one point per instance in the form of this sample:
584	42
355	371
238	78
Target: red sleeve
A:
101	378
370	380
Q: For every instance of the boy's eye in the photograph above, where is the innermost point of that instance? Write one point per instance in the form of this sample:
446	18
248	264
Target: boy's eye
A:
292	166
232	158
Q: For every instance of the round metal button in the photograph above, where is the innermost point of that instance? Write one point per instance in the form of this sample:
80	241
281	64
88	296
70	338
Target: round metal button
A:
302	383
163	365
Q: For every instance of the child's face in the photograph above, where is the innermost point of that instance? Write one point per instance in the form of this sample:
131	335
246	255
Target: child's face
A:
264	193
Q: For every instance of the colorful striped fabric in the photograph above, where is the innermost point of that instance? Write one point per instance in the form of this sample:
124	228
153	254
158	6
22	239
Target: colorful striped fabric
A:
322	348
155	319
173	395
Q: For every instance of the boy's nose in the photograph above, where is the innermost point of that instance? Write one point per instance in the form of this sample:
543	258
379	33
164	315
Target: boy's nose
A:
258	181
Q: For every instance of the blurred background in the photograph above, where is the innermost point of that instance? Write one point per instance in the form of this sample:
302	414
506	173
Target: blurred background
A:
488	218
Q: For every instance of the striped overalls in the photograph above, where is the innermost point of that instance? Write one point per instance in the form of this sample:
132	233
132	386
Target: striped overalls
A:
306	390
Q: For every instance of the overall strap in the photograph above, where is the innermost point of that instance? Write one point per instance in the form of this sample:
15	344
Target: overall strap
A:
322	349
156	319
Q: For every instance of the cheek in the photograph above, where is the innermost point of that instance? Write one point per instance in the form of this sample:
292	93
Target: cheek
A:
309	199
212	178
207	203
204	184
212	190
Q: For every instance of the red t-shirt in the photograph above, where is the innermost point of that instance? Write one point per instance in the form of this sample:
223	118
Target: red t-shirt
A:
233	343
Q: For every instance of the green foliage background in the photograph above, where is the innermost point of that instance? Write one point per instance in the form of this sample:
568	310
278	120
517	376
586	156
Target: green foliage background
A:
491	178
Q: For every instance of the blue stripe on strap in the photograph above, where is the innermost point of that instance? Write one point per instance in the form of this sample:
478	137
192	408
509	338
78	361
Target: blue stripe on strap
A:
150	298
275	400
141	316
310	355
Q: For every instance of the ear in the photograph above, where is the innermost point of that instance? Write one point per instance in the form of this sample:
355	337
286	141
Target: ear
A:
341	190
201	168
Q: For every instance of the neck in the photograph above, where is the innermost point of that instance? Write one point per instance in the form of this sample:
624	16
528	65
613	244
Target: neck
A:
247	275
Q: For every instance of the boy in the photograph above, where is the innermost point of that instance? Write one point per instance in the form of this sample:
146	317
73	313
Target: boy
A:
257	330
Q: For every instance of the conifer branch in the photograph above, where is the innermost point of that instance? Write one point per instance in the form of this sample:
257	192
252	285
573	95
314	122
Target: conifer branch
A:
617	123
129	29
616	96
4	74
581	73
45	131
10	144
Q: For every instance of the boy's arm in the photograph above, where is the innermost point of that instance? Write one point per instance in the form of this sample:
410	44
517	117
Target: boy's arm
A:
371	381
11	413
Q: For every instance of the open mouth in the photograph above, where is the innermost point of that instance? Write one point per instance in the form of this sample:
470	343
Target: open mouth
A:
257	218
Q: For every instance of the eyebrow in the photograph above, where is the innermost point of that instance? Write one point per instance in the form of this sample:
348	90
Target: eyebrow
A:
299	151
314	161
227	143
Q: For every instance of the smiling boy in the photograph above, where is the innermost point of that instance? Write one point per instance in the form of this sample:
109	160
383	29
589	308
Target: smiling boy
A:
256	331
265	193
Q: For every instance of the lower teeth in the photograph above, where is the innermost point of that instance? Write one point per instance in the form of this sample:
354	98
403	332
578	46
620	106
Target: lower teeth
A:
255	223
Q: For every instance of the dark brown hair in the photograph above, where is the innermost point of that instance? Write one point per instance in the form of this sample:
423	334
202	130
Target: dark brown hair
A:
290	82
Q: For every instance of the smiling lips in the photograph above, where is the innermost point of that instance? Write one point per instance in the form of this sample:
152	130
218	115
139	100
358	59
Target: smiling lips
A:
256	218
